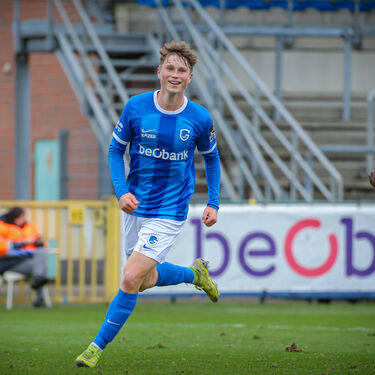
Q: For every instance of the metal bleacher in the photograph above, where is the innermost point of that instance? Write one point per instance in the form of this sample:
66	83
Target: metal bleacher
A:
297	5
266	153
339	129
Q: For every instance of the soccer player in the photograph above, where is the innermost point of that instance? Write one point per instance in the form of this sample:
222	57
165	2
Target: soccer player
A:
161	129
371	177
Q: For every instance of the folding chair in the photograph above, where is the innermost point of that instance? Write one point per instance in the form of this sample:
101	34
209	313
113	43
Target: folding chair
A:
11	277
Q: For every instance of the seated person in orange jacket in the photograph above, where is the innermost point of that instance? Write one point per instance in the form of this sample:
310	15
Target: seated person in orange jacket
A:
22	250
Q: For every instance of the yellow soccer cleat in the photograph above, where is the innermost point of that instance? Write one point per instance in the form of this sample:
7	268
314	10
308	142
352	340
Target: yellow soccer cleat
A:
89	358
202	279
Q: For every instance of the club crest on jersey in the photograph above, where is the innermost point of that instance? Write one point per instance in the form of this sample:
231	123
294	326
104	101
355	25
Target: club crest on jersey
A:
152	240
184	134
119	126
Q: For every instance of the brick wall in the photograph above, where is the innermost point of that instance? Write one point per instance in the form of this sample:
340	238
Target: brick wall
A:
6	102
53	106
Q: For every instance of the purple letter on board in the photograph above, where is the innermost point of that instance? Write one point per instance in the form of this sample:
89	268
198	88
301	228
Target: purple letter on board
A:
350	269
216	236
265	253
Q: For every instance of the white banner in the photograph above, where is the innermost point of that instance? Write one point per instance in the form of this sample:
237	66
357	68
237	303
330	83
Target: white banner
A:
307	248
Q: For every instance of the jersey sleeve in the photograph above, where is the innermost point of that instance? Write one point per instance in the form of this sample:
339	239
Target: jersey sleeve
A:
206	142
207	147
122	131
121	136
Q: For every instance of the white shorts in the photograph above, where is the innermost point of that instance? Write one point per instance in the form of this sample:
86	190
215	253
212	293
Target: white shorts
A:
151	237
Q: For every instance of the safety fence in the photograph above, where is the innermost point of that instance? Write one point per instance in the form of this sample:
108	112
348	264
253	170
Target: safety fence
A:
84	242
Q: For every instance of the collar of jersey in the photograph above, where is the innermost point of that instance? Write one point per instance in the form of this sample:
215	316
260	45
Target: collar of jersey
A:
177	111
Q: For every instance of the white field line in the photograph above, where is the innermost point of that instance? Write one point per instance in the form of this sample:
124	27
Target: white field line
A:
319	328
270	326
190	325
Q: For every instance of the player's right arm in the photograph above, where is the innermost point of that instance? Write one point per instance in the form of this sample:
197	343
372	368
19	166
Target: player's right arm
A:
121	137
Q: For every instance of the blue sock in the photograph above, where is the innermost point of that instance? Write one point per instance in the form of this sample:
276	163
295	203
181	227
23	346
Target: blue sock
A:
171	274
117	314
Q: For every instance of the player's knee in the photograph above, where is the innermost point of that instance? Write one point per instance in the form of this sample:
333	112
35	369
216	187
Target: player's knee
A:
131	282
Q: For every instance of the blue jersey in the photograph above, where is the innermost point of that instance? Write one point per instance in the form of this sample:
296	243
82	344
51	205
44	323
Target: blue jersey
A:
162	144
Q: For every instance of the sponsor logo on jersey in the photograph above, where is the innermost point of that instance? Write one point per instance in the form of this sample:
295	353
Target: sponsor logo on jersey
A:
212	134
161	153
152	240
119	126
184	134
148	133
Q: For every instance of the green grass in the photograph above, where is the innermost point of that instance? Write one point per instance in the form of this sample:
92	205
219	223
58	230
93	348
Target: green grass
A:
194	338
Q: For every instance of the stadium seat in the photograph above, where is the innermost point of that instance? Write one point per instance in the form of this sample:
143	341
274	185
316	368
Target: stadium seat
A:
11	277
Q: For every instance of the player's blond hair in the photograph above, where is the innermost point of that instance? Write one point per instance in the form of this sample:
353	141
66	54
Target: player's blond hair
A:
180	49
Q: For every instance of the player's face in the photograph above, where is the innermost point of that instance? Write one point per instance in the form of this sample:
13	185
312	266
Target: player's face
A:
174	74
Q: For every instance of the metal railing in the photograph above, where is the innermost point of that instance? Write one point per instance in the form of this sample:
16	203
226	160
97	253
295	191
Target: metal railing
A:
369	149
244	135
79	61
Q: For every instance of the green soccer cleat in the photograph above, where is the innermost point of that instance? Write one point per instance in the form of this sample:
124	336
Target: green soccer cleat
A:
89	358
202	279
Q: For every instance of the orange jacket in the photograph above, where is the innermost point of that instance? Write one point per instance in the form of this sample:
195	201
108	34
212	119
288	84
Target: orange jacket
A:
4	240
4	246
13	233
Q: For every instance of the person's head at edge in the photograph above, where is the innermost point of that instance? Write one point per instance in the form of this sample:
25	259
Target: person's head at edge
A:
16	216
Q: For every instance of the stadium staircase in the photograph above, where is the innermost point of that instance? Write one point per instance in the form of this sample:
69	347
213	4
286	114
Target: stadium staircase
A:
262	158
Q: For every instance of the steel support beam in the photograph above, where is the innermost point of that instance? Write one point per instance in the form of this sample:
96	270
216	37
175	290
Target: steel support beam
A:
50	40
105	186
17	26
346	99
279	73
22	142
63	150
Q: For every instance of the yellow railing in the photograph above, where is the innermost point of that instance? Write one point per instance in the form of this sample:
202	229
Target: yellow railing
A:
86	236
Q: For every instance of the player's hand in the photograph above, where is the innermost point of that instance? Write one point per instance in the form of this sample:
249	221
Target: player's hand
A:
371	177
128	203
38	242
209	217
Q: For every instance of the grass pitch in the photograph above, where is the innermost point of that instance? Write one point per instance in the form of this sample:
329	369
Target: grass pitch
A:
194	338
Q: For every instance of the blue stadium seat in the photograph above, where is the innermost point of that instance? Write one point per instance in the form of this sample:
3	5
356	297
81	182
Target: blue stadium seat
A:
300	5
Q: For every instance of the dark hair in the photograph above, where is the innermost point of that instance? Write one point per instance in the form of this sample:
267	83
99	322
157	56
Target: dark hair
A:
13	214
180	49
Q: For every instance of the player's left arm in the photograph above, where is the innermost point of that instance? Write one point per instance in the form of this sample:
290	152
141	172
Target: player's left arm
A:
208	148
212	162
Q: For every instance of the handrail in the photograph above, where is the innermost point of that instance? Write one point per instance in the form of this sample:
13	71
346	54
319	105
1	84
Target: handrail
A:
102	53
370	129
237	114
279	107
247	129
86	62
269	122
102	125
